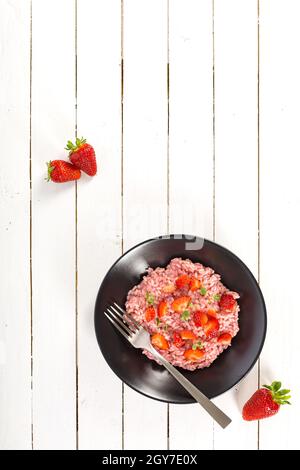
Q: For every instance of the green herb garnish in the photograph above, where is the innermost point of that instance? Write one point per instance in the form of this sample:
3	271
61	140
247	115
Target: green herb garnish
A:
203	291
217	297
185	315
166	327
149	298
197	345
157	320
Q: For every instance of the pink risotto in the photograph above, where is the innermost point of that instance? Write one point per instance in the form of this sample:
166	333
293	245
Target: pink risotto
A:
190	315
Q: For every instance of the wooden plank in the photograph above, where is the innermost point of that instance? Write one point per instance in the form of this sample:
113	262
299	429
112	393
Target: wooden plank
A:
191	162
99	212
53	257
15	389
145	172
280	197
236	169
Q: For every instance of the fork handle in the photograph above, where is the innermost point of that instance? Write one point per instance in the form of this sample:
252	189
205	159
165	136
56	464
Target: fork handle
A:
221	418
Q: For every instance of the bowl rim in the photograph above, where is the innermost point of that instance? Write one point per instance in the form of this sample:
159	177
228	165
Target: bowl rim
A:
211	242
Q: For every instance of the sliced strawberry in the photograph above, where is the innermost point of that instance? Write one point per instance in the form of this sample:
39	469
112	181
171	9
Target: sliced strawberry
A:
195	284
211	327
193	355
169	288
177	340
227	302
180	304
183	281
187	334
200	318
149	313
159	341
212	313
225	338
162	308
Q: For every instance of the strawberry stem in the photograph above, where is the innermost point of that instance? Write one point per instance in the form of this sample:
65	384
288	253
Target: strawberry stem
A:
73	147
49	171
279	396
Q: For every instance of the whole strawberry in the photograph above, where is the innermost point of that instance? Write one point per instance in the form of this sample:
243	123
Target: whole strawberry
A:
60	171
83	156
266	402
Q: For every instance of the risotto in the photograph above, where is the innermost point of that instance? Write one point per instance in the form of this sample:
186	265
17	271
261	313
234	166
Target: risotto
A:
190	315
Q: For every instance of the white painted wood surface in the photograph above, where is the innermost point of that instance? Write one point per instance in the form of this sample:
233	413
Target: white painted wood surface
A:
207	144
99	119
145	115
191	155
15	362
280	198
53	227
236	173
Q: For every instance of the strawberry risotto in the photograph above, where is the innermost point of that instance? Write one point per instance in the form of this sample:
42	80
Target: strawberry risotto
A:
190	315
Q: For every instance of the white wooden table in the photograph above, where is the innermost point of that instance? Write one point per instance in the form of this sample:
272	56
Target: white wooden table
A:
193	108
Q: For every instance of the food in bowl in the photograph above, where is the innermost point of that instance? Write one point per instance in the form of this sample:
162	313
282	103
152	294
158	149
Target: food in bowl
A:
191	316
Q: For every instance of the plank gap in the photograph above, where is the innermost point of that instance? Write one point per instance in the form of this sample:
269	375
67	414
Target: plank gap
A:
168	167
122	192
214	120
214	151
76	230
258	191
30	219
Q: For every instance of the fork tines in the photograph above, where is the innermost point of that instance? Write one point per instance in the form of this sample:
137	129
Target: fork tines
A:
119	318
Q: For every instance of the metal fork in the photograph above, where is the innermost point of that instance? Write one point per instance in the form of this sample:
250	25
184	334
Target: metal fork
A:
139	338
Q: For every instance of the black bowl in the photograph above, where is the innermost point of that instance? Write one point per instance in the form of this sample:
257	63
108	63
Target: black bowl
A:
146	376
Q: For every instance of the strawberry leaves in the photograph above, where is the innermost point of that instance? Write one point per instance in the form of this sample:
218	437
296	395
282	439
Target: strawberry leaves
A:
73	147
50	168
279	396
